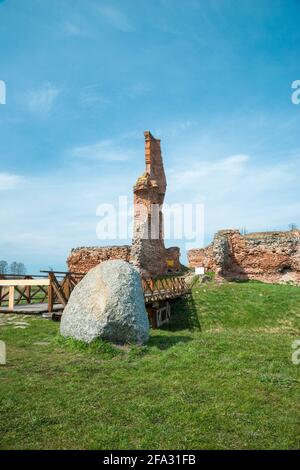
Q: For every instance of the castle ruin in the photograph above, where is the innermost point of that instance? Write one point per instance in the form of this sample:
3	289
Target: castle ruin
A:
264	256
148	252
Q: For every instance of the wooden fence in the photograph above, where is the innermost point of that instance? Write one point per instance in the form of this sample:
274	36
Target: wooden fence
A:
61	285
50	287
164	289
54	288
18	290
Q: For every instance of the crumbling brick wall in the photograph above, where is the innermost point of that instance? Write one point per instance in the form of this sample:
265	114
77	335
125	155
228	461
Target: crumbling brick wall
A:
265	256
82	259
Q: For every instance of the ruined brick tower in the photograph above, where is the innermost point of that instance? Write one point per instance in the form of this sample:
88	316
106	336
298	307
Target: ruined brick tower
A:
148	251
149	193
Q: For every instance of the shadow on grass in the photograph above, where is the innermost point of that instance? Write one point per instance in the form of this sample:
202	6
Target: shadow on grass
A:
184	315
165	342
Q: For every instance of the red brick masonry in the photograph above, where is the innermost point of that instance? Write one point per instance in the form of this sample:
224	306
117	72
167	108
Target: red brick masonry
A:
82	259
265	256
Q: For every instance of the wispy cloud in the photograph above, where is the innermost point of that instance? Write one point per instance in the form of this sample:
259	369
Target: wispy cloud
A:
239	191
235	175
224	168
92	97
103	150
41	101
9	181
139	89
46	240
115	18
72	29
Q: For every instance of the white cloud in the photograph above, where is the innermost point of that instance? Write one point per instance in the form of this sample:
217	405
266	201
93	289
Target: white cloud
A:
115	18
9	181
71	29
104	150
239	191
41	101
204	171
45	240
92	97
139	89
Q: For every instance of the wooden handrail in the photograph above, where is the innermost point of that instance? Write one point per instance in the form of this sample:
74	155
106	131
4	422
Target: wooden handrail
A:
24	282
58	286
64	273
15	285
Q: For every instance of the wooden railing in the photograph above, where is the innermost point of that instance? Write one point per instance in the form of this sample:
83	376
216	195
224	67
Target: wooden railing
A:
23	289
50	287
164	288
61	285
55	287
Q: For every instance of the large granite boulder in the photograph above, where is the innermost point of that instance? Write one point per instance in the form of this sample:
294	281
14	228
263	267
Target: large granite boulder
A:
108	303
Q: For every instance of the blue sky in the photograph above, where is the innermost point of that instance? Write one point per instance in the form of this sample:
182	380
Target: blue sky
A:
84	79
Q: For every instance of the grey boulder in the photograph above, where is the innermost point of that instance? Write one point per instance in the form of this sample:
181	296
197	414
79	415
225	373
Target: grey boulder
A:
107	303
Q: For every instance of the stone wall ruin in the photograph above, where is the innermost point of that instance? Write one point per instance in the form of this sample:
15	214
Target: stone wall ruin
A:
264	256
82	259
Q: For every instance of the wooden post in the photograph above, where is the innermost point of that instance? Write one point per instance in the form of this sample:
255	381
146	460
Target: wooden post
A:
67	286
28	293
11	301
50	297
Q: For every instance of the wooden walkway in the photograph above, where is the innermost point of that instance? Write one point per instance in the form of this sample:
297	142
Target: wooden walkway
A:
31	309
31	294
50	292
164	289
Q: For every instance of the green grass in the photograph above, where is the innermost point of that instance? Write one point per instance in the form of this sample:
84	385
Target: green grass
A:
219	376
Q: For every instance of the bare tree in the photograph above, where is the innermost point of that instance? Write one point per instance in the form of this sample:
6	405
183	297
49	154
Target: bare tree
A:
21	269
3	266
13	267
17	268
293	226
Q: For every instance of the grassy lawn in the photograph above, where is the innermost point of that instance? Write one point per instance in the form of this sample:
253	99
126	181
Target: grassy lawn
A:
219	376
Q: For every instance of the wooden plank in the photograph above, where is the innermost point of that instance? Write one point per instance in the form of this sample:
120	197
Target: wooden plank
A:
50	298
11	300
58	289
24	282
4	294
20	296
66	287
33	309
27	293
